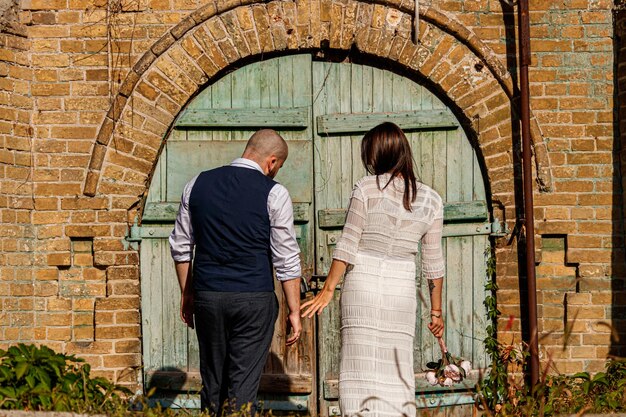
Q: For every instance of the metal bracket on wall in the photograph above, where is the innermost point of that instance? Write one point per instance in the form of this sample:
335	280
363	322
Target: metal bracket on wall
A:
499	228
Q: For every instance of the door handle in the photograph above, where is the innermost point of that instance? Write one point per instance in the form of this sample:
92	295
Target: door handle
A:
313	285
310	285
317	282
304	288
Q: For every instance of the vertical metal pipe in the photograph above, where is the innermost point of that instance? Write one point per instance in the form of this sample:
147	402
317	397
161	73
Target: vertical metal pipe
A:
524	51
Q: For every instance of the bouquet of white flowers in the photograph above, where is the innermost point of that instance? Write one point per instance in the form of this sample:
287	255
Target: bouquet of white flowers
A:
448	370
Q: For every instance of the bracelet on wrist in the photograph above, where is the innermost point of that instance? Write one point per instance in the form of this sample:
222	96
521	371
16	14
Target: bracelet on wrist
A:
435	315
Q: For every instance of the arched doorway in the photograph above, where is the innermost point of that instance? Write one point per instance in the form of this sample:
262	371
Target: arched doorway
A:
322	109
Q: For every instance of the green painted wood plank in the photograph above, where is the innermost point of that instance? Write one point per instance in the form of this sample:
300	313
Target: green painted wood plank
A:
157	185
402	88
359	102
467	157
455	275
174	331
452	230
422	387
338	123
160	212
417	96
440	165
480	251
345	106
151	272
388	98
378	91
331	317
479	331
468	304
426	162
188	159
165	212
221	98
177	135
253	86
286	81
278	118
333	147
239	100
464	211
268	80
367	89
327	180
204	100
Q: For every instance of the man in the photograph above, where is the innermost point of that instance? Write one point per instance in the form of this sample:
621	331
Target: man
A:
240	222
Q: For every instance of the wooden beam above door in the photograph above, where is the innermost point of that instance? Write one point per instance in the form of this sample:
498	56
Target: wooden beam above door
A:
278	118
341	123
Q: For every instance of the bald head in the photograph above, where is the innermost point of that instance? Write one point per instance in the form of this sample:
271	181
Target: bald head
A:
265	143
267	148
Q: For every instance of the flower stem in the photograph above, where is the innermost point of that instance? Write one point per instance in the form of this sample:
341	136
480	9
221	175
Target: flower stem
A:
444	350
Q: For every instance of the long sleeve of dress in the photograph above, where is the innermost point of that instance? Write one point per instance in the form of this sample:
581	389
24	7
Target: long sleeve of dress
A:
433	264
348	244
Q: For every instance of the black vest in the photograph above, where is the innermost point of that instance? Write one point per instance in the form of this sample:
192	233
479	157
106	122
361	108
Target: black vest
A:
231	227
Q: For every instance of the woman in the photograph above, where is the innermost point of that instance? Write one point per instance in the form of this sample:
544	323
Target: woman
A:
389	214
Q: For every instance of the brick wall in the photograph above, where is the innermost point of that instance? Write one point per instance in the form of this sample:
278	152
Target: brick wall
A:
16	202
87	95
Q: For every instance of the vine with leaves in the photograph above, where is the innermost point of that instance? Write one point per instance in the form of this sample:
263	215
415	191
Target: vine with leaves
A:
494	388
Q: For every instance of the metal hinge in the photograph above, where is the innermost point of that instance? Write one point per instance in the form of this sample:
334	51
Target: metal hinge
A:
499	228
134	234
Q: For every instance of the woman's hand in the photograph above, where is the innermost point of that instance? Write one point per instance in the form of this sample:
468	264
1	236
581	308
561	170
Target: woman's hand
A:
317	304
436	326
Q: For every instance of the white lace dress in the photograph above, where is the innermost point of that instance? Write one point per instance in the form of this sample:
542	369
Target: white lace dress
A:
378	301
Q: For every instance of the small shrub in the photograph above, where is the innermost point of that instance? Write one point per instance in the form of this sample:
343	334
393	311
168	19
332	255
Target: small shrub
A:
38	379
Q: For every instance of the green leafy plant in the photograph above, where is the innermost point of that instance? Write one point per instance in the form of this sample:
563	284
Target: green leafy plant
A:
493	388
37	378
600	393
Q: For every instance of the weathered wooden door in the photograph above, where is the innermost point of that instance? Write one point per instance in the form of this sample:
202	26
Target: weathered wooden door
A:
350	99
211	132
322	109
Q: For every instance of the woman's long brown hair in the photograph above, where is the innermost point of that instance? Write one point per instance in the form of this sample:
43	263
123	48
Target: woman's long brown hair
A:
385	149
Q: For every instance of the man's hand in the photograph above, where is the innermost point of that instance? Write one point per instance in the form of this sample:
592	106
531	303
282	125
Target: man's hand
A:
291	289
293	323
186	309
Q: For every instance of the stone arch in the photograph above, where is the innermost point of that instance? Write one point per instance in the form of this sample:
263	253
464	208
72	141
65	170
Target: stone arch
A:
221	35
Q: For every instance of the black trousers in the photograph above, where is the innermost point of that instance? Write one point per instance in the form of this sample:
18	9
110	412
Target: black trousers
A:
234	332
